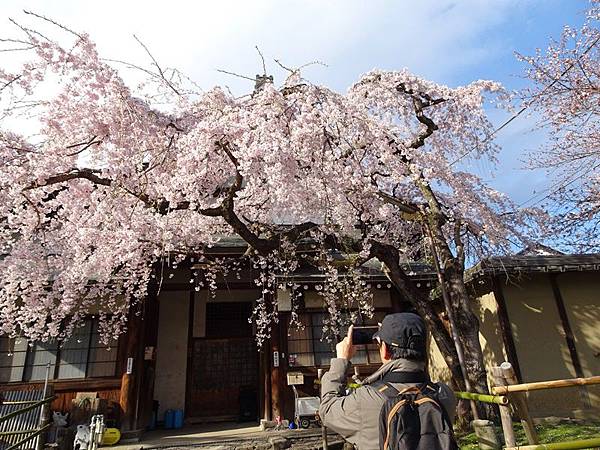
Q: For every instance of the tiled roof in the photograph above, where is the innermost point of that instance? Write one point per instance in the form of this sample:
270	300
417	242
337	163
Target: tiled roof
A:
534	263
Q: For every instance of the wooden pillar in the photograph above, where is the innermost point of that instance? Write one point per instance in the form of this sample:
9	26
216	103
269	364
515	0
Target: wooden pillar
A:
148	361
568	333
506	329
265	383
275	363
130	382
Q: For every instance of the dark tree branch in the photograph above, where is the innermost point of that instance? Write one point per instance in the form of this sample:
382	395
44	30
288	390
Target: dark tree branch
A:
85	145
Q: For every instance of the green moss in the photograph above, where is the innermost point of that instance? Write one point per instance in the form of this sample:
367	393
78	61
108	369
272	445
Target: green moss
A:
547	433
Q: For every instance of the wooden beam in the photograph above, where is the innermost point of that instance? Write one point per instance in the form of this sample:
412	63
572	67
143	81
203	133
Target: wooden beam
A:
568	332
506	328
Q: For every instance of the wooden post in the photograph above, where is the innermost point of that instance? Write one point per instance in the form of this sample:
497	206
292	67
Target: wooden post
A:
148	365
265	375
127	397
486	435
519	400
275	365
507	426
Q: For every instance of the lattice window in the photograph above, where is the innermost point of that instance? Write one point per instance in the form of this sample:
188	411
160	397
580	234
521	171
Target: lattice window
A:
308	348
81	356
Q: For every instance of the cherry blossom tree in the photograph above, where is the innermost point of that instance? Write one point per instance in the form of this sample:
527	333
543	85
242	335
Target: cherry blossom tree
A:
122	179
565	91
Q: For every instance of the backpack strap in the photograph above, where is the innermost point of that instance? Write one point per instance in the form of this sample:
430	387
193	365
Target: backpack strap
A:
406	377
385	389
435	387
389	418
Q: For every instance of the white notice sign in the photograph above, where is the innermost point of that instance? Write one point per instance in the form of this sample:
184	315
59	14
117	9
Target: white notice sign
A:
129	366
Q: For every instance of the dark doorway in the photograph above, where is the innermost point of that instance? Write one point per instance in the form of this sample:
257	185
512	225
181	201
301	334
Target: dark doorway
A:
224	366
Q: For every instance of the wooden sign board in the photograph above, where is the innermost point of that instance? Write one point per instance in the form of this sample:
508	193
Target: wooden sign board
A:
295	378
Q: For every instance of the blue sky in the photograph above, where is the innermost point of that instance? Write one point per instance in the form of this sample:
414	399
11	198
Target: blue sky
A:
452	42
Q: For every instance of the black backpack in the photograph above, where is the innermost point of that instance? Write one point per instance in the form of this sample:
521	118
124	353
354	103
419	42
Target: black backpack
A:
414	418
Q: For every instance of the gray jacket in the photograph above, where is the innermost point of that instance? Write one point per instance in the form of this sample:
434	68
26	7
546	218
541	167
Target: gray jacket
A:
355	416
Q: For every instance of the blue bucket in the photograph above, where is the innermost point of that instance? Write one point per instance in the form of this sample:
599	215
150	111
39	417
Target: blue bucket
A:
169	418
178	418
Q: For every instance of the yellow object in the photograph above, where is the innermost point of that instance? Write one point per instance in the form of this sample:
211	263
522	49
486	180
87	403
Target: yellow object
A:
111	436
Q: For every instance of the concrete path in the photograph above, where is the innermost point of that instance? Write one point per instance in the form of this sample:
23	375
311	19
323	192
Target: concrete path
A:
223	435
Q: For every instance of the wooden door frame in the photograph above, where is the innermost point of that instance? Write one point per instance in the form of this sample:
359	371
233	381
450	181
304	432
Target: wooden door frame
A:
189	368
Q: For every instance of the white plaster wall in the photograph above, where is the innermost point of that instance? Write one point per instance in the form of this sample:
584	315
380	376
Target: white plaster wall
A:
171	350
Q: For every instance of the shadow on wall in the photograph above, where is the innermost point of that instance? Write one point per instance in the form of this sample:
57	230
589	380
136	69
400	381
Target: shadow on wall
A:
491	340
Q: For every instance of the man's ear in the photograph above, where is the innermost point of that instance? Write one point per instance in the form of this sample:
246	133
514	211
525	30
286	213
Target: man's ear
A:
386	350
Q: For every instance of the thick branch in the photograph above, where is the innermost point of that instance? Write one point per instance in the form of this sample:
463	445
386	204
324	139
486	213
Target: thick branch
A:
295	232
88	174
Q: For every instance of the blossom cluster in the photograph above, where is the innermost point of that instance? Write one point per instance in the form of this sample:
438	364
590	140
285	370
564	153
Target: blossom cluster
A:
116	186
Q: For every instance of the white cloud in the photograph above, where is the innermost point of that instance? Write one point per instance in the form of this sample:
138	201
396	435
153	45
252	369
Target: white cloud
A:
431	37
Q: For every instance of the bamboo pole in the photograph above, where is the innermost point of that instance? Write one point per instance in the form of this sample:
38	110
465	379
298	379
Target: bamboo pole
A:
485	398
519	401
526	387
567	445
507	425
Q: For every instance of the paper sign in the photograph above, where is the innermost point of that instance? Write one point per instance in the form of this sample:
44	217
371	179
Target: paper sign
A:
129	366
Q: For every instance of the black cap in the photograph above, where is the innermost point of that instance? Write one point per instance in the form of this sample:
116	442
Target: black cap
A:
403	330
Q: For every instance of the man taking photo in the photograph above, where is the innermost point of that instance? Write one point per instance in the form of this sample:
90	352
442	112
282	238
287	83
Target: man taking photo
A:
397	407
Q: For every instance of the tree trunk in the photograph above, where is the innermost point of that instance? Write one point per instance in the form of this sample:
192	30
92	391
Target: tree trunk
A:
466	322
467	325
390	257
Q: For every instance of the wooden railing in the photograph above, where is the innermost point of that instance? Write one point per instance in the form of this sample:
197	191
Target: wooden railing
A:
509	394
31	433
26	421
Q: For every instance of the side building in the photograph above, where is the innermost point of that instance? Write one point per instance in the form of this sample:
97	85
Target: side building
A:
541	313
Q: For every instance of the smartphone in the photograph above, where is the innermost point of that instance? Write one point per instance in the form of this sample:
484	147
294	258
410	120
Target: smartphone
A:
362	335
